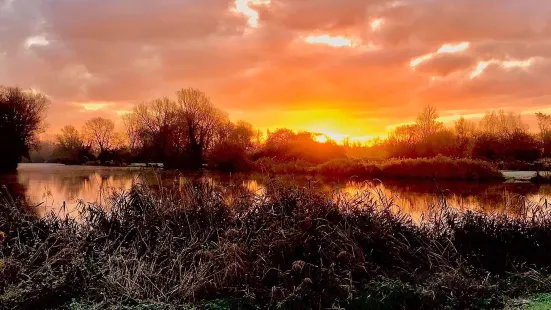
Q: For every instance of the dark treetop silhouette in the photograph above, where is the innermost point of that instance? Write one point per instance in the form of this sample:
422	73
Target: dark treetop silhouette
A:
21	119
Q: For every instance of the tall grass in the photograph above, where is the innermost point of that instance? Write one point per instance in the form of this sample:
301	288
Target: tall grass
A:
290	248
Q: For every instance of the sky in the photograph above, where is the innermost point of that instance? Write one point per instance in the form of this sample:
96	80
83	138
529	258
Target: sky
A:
347	68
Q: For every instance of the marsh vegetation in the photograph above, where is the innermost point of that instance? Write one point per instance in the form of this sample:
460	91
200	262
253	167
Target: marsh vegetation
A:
289	248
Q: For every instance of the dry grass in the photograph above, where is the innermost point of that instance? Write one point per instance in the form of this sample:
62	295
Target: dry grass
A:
290	248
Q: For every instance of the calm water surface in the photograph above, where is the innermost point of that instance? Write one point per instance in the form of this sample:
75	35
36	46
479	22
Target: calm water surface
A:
48	187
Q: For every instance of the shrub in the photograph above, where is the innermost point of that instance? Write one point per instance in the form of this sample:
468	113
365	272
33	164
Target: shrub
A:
441	168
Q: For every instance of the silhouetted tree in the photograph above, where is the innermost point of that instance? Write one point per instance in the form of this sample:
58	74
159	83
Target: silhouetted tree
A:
427	122
100	134
501	124
70	148
464	136
21	120
158	131
201	120
231	152
284	144
132	132
544	124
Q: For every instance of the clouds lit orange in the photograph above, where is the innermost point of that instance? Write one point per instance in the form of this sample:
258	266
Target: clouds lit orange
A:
348	69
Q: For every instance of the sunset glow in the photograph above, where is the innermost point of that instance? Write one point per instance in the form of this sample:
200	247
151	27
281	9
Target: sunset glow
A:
349	70
450	48
36	40
376	24
479	69
244	7
94	106
338	41
322	139
446	48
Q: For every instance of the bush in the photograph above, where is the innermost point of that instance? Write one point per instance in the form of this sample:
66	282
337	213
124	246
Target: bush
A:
229	157
440	168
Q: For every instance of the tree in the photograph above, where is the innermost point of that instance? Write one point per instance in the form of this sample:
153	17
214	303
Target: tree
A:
132	131
501	124
428	122
278	143
21	120
201	120
100	134
161	136
408	134
44	152
403	141
464	135
231	152
544	124
70	148
242	134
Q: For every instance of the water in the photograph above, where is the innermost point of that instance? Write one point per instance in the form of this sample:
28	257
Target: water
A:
51	188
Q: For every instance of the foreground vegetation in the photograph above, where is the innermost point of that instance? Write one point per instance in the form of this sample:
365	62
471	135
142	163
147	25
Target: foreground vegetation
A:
290	248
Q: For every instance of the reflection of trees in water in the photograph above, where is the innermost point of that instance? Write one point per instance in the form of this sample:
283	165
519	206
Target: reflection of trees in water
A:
12	186
68	186
481	196
89	184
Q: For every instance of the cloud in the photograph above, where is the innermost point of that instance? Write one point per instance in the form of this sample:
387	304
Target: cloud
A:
282	56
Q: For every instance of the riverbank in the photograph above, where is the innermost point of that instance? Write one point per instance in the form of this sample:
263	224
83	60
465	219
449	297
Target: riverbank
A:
289	248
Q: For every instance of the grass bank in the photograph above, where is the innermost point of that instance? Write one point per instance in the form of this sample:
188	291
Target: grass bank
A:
288	249
437	168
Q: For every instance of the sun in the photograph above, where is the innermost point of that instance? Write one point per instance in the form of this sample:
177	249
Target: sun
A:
322	139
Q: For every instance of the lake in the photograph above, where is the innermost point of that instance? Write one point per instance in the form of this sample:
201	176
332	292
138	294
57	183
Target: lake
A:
48	187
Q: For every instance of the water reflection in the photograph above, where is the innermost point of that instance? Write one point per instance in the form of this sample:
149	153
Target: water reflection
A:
49	187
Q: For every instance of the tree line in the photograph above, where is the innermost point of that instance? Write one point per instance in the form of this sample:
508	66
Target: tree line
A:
498	136
190	132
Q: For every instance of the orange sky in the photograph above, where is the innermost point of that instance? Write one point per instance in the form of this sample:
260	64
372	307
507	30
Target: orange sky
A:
343	67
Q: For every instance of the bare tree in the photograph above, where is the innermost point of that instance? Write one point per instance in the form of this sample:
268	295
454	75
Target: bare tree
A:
501	124
201	120
100	134
21	120
464	129
158	127
428	122
132	131
408	134
544	124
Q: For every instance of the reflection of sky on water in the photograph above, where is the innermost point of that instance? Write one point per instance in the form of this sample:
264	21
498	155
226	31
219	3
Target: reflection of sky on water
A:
52	186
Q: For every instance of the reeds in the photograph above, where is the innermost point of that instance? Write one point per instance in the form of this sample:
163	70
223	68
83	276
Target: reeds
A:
289	248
